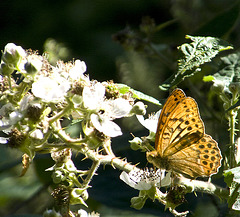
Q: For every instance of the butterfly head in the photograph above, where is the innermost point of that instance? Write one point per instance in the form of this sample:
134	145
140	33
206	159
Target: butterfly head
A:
158	161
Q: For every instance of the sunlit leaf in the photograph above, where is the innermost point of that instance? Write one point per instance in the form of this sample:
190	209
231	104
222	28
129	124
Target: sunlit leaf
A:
232	178
201	50
227	79
123	88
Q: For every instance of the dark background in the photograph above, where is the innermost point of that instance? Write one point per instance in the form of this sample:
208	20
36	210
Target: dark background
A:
85	28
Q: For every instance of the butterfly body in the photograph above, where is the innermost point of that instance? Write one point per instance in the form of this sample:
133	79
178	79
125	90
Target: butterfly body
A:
181	144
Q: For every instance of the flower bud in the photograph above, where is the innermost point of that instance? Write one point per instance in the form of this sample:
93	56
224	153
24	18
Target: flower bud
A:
33	64
138	202
61	156
13	54
58	176
76	198
77	100
69	165
5	69
138	109
135	143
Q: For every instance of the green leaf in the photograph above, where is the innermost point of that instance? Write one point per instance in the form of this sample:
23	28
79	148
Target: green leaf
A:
227	79
138	202
228	178
123	89
232	178
208	78
235	172
201	50
234	198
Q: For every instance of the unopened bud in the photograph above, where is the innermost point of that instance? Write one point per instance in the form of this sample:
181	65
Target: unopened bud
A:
13	54
58	176
138	202
135	143
33	64
138	109
5	69
76	196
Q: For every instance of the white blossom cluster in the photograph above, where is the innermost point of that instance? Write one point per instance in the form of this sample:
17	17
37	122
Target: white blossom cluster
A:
42	90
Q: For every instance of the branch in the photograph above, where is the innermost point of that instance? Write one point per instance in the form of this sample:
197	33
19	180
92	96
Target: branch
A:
201	186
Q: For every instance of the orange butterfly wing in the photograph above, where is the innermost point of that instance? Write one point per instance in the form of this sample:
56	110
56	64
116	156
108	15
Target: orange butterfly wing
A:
180	143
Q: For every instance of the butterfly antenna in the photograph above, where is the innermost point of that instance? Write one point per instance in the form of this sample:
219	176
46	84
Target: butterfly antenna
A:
132	135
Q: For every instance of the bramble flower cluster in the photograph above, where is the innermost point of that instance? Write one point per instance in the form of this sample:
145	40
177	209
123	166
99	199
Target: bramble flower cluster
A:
36	96
45	92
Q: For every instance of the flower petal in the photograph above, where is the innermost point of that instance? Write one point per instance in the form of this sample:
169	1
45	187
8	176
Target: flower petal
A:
93	96
119	108
109	128
151	122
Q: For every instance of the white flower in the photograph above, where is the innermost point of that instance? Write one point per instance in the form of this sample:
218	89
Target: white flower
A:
151	122
145	179
93	96
49	90
116	108
76	72
11	115
104	110
109	128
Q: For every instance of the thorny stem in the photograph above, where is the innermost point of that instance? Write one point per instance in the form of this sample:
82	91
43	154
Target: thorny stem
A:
232	124
201	186
110	159
80	146
107	159
60	114
63	136
232	121
91	173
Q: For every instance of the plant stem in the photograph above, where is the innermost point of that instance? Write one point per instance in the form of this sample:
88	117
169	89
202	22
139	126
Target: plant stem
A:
91	173
232	121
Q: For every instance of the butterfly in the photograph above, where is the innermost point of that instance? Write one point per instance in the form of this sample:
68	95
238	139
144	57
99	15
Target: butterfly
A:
181	144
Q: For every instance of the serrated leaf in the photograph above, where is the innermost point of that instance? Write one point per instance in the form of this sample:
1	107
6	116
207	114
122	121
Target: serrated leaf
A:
234	198
228	178
229	73
235	172
123	88
201	50
232	178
